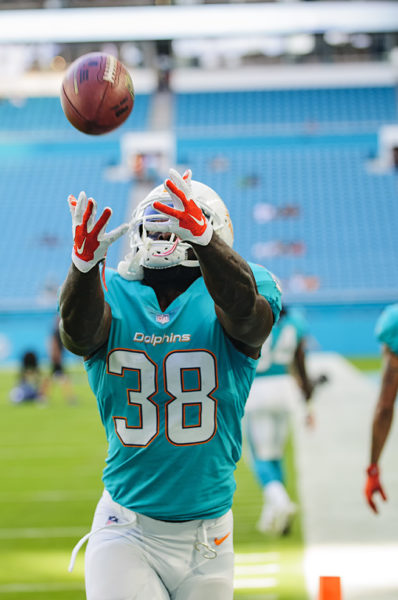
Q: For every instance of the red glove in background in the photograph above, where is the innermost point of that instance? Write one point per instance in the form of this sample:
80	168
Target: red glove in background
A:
373	485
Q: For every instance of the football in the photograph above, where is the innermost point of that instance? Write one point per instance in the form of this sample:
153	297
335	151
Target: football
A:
97	93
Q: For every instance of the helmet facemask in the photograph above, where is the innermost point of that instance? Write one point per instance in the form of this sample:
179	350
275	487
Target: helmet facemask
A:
154	250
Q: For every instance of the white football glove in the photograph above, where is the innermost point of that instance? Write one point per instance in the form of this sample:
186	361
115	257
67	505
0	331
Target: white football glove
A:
186	219
90	241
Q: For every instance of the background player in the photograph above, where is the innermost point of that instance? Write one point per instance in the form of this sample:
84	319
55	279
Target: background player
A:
30	381
57	368
171	353
387	334
268	409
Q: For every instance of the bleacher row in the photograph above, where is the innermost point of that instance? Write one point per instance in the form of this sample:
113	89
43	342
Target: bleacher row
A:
37	226
375	105
333	214
312	109
45	115
307	206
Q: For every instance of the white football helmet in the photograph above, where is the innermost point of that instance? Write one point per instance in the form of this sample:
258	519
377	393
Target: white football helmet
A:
151	251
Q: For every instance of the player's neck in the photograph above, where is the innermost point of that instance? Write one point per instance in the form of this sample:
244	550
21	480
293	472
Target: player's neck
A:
168	284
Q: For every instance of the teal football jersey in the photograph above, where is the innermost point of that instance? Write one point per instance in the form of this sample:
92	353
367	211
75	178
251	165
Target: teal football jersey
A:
278	350
387	327
171	390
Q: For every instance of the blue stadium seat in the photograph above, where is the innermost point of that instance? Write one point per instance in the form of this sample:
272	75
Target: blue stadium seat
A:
370	106
341	232
36	225
44	116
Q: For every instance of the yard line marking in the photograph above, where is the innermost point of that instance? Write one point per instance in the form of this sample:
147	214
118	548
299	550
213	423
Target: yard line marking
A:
39	451
263	596
255	583
256	557
257	570
242	571
21	588
49	496
42	532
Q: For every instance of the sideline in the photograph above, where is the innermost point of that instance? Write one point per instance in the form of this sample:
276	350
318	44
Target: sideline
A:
342	536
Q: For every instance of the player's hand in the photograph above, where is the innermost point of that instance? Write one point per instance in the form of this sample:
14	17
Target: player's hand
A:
373	485
309	418
186	219
90	241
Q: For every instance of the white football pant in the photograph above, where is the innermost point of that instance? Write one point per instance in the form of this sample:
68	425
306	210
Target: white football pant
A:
268	411
134	557
278	510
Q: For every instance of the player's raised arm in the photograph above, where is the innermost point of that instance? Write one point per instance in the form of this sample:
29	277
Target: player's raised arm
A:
300	369
385	405
382	420
85	316
245	315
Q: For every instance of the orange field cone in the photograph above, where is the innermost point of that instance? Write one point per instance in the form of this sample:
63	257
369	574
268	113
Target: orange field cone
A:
329	588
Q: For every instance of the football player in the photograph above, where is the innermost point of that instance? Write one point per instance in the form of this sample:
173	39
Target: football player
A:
171	348
387	334
30	386
58	372
268	411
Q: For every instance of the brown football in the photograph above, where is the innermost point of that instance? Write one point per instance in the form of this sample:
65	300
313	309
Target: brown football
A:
97	93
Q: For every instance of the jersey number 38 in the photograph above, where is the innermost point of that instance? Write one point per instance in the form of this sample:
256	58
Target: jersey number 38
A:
190	393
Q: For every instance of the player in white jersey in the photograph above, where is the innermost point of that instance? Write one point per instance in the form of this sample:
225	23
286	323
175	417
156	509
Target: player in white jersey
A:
171	347
387	334
268	412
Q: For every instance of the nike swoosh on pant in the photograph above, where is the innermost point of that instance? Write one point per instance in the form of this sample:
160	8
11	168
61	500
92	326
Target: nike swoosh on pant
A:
219	541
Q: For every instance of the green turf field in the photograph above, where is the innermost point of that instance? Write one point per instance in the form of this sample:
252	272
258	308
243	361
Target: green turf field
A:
367	363
51	458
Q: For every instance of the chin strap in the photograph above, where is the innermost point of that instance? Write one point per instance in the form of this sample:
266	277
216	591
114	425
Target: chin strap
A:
130	267
103	274
190	263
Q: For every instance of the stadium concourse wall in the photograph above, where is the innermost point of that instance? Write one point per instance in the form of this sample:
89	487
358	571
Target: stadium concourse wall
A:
23	331
297	76
346	328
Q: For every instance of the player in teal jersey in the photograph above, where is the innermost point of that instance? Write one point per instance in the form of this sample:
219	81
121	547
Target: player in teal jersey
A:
268	409
170	348
387	334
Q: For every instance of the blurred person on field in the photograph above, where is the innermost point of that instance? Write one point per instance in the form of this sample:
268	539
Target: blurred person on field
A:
58	373
387	333
30	381
280	372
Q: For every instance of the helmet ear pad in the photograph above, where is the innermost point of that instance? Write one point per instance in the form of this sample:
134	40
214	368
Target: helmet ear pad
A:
149	253
214	210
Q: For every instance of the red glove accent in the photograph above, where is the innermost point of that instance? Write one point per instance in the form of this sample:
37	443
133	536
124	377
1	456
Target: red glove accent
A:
86	242
188	223
190	218
90	240
373	485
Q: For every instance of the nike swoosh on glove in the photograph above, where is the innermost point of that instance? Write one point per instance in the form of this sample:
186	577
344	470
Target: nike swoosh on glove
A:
373	485
186	219
90	241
